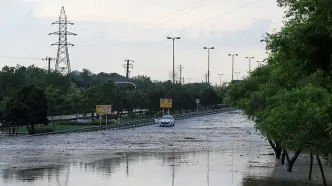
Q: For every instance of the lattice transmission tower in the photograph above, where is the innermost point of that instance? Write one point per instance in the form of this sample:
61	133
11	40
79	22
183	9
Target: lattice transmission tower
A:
62	63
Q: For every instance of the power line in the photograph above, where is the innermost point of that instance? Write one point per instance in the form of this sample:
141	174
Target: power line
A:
13	57
174	17
211	18
196	23
185	12
102	9
134	13
148	21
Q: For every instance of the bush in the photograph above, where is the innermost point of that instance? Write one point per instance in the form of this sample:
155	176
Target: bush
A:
111	116
43	130
150	113
328	160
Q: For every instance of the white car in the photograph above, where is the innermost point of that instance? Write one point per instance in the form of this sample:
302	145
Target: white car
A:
167	121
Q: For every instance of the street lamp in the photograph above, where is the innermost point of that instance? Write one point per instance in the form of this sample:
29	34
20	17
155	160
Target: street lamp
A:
220	77
208	74
173	38
250	63
237	75
233	63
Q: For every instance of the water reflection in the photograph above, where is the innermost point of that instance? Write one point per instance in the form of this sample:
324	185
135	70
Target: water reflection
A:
273	182
224	167
30	175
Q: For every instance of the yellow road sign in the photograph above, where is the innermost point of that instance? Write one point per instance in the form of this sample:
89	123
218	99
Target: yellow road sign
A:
104	109
166	103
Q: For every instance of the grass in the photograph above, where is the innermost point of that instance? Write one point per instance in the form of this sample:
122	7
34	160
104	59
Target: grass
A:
57	128
67	125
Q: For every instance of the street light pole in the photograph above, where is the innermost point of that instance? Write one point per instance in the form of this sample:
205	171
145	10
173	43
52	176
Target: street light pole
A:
208	74
250	63
173	38
220	77
233	64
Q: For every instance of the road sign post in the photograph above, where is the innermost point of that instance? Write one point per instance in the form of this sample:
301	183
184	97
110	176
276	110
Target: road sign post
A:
166	103
103	109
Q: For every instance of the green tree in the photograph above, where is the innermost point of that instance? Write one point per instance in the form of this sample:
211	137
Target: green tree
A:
55	100
28	107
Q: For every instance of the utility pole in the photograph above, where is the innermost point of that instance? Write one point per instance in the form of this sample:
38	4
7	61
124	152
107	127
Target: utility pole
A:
62	64
180	69
127	66
206	76
233	64
237	75
49	59
250	63
208	48
183	80
220	77
173	38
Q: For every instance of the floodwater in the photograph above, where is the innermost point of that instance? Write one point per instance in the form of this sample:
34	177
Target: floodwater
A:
217	150
205	168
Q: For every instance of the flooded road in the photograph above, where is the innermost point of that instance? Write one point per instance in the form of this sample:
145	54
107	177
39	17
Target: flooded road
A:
205	168
223	149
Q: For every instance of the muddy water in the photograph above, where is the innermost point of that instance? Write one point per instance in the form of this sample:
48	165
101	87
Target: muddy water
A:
229	167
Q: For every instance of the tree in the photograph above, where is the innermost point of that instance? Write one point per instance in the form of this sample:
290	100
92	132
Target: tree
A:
55	100
119	100
80	92
303	110
28	107
289	97
142	82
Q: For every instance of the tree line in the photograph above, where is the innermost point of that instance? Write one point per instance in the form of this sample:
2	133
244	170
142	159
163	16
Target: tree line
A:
29	94
289	96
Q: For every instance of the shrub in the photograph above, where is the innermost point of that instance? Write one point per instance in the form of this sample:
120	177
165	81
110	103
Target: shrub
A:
43	130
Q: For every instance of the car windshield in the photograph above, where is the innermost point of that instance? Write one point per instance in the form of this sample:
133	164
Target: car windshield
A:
167	117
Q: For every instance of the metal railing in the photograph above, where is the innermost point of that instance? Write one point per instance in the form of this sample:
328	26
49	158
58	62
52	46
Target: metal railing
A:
134	124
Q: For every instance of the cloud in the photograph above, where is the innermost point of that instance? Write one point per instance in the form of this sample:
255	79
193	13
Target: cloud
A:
169	14
109	32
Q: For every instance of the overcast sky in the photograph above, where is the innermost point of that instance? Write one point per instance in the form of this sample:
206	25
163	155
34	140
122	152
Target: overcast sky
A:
110	31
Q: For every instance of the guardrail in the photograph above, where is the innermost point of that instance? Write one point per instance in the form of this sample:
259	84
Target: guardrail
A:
134	124
74	116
